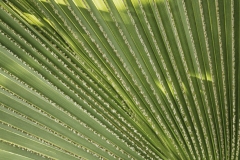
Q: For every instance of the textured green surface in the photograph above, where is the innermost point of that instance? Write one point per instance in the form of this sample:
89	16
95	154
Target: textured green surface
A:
119	79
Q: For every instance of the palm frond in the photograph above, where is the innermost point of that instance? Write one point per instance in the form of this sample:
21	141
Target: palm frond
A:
119	79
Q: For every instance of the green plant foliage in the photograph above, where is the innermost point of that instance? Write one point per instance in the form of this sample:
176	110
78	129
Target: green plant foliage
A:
119	79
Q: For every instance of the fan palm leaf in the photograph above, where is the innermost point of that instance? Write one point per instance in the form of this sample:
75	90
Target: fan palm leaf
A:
119	79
